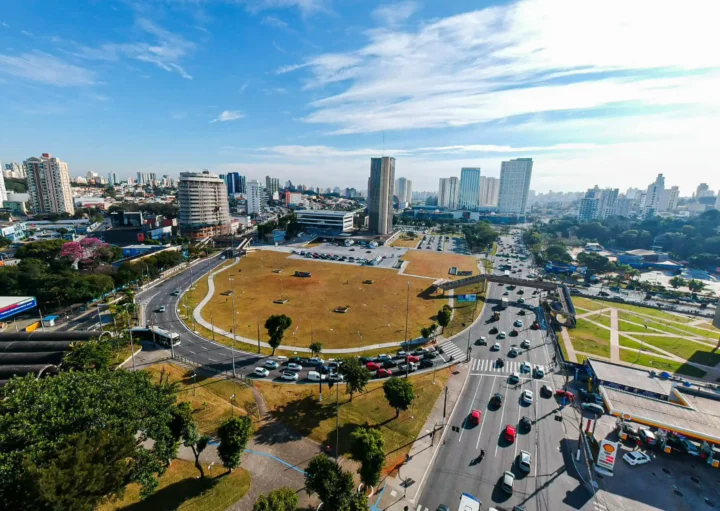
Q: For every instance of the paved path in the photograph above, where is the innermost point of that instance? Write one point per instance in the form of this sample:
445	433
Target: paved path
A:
614	336
569	348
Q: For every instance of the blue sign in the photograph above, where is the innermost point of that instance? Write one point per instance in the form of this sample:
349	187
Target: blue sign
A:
466	298
18	307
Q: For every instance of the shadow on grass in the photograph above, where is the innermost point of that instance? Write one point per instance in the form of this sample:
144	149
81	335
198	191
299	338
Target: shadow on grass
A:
175	495
300	418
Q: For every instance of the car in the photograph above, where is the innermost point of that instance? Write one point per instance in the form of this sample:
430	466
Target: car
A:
690	447
352	250
429	355
383	373
261	371
525	344
514	378
161	308
442	507
646	435
565	394
521	292
514	351
292	366
499	362
388	364
368	252
594	408
315	376
524	461
522	312
508	479
481	341
496	347
382	357
494	330
539	371
475	417
535	325
510	433
525	367
636	458
402	353
497	399
336	377
413	358
526	423
289	375
518	323
502	335
323	369
521	300
271	364
527	396
372	366
175	293
514	332
426	364
506	293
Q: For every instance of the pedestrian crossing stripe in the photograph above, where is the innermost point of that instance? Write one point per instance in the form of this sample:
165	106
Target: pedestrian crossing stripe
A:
451	349
489	366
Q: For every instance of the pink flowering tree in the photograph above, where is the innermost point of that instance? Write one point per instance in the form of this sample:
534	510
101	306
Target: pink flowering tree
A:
85	251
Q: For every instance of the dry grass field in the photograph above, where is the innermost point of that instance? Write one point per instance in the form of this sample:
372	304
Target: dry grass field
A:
406	242
376	314
436	264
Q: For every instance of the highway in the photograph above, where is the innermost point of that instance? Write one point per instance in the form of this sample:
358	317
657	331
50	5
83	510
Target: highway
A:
456	469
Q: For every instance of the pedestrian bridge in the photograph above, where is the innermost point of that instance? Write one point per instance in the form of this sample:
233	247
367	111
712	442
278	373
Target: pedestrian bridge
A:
562	306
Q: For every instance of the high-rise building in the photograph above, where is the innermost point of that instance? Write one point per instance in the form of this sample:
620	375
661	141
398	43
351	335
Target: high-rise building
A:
204	210
703	190
624	206
3	191
469	188
654	192
272	186
669	199
235	183
253	197
515	178
598	204
14	170
112	179
489	187
403	189
448	193
380	194
49	185
589	207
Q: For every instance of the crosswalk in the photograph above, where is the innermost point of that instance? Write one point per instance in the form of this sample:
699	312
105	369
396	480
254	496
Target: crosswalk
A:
451	349
478	365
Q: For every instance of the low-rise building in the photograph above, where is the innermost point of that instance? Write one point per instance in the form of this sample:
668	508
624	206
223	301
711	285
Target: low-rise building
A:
325	221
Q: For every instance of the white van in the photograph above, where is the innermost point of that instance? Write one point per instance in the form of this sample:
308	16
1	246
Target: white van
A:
315	376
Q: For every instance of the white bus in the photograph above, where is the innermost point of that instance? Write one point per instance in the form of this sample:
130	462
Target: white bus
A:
156	334
469	503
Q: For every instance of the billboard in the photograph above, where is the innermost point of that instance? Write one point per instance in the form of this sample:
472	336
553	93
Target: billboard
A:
466	298
11	305
606	458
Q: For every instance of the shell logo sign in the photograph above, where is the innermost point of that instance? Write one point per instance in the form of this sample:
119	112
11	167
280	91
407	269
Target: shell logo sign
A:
606	458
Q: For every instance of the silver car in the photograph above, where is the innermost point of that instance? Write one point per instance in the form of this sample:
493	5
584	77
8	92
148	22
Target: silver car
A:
524	461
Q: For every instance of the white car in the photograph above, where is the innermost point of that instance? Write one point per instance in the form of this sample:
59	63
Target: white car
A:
271	364
496	346
336	377
289	375
539	371
261	371
525	344
636	458
525	367
292	366
527	396
514	352
161	309
524	461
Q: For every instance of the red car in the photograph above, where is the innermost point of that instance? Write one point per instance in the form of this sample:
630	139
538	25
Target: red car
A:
565	393
384	373
510	433
413	358
475	417
372	366
535	326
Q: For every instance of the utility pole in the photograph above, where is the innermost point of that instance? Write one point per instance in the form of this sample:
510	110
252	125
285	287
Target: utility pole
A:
445	406
258	335
232	349
132	345
407	313
337	421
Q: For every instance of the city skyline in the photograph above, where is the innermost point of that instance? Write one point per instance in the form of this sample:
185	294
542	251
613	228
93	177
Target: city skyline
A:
174	87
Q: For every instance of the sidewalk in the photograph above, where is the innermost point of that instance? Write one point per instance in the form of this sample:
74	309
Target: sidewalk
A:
391	493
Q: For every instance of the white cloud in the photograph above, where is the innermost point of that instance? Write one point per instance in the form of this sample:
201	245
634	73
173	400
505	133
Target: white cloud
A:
243	87
306	7
228	115
496	63
274	22
393	14
46	68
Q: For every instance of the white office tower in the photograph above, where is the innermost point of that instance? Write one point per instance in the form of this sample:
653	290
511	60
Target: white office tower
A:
403	190
272	186
253	197
469	188
448	192
49	185
381	189
703	190
515	178
204	209
3	191
652	197
489	188
669	199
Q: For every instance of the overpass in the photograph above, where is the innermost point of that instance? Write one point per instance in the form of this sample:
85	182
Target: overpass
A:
562	307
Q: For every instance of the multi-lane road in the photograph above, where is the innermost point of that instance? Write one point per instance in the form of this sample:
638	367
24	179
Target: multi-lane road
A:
456	469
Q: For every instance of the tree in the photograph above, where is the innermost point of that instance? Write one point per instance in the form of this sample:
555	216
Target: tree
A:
276	326
234	434
45	250
677	282
283	499
90	355
695	285
185	428
368	447
399	393
425	332
443	316
355	374
325	478
316	349
558	253
87	469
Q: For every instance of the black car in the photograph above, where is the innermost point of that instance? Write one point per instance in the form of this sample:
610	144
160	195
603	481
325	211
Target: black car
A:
295	360
522	312
388	364
425	363
526	423
429	355
494	330
365	360
499	363
323	369
497	399
481	342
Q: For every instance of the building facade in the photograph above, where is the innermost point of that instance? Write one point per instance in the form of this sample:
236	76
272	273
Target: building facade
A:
469	197
272	187
253	198
448	192
489	188
653	195
49	185
14	170
3	191
515	176
669	199
204	209
325	221
403	190
380	194
235	183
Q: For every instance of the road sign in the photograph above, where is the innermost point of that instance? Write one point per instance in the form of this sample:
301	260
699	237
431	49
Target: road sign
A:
466	298
606	457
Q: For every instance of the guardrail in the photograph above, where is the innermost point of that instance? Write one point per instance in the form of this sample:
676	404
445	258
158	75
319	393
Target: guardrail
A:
227	373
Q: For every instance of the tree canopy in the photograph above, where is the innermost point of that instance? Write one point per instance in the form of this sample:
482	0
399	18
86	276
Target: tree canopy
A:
368	447
276	326
234	434
355	374
283	499
399	393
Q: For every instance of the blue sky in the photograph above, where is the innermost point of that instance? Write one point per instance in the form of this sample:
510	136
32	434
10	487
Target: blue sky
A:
597	92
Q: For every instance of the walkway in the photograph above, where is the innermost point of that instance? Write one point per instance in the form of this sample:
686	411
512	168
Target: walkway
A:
614	336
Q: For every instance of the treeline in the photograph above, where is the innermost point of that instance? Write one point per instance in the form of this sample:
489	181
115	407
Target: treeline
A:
479	236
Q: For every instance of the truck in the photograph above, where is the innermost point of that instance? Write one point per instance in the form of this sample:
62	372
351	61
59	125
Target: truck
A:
504	302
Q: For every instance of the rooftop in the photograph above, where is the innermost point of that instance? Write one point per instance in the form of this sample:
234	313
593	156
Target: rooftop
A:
629	376
641	252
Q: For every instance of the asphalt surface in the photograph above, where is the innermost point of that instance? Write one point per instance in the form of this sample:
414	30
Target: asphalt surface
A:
456	469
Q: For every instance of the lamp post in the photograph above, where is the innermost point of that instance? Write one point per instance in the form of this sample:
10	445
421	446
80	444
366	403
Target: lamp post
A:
232	349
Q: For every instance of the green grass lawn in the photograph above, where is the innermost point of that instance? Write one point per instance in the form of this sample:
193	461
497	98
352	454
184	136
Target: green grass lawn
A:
600	318
588	304
689	350
659	364
660	325
180	489
629	343
658	314
591	339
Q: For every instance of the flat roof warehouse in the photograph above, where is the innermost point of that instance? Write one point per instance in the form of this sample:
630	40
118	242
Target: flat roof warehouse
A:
688	407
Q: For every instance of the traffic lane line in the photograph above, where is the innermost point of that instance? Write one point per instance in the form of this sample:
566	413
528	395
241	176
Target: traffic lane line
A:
502	414
484	417
464	423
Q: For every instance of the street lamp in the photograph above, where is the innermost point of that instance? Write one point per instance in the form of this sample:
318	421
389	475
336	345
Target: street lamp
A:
232	349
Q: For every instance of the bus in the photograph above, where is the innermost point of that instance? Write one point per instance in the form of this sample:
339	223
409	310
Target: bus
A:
156	334
469	503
